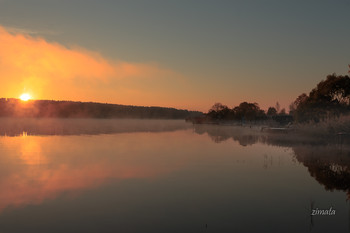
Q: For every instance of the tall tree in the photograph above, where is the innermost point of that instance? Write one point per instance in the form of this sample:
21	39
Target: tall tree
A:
278	107
271	111
329	98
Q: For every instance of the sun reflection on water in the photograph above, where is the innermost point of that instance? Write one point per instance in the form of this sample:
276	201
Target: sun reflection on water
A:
30	151
41	168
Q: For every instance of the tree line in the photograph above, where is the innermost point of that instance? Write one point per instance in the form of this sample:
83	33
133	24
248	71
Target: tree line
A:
70	109
246	112
328	100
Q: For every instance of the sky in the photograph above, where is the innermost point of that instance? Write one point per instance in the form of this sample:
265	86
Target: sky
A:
182	54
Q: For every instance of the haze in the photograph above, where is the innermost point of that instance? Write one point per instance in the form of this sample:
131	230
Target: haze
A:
183	54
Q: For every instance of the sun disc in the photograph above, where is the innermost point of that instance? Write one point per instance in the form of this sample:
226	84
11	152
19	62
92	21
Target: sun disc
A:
25	97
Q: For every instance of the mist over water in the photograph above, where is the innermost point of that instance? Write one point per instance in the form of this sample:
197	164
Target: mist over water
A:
89	175
79	126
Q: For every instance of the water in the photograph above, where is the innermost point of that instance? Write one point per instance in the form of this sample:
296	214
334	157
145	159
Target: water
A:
167	176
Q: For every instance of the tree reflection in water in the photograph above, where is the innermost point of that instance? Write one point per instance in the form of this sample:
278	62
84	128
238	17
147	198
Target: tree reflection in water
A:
327	160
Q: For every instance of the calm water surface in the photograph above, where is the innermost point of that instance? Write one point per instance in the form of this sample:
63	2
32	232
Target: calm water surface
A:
166	176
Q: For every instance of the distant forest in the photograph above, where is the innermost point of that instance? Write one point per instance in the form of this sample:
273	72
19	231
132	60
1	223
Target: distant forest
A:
69	109
327	101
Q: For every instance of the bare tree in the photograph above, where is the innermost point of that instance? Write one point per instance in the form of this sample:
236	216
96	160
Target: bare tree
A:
277	107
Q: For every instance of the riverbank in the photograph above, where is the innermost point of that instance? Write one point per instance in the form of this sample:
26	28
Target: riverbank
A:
331	131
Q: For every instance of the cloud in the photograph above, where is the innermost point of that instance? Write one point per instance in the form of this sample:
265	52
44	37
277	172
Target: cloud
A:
18	30
49	70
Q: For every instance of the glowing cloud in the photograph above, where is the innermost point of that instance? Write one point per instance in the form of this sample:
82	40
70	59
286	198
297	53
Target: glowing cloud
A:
49	70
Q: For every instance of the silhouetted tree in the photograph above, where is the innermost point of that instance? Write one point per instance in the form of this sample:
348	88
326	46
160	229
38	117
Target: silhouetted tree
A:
282	112
278	107
69	109
220	112
217	107
292	108
245	111
249	111
330	98
271	111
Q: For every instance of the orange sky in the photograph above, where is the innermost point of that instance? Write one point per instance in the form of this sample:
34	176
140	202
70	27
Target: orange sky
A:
170	54
48	70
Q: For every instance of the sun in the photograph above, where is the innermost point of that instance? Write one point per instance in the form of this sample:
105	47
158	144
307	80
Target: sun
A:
25	97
